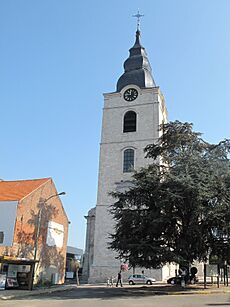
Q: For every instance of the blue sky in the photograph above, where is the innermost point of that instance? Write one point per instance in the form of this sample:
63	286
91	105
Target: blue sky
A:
57	57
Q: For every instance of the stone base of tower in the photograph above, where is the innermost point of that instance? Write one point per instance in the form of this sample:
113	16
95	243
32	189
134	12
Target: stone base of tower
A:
100	274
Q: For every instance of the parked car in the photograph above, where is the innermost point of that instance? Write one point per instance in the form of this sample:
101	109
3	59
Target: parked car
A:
140	279
177	280
174	280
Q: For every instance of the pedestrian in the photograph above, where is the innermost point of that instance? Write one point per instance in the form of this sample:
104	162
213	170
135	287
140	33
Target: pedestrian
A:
111	281
119	279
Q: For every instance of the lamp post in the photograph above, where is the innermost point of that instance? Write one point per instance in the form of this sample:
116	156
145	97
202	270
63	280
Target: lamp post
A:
38	233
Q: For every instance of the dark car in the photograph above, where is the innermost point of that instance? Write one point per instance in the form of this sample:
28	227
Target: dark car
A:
175	280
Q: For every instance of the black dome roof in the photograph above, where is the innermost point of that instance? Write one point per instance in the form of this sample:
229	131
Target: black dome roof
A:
137	68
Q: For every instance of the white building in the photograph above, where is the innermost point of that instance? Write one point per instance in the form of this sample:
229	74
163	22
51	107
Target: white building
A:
131	119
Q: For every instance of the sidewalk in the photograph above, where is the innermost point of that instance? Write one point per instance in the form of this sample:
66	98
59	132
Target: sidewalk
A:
12	294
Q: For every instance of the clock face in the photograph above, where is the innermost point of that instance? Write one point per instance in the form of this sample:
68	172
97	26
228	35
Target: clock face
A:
130	94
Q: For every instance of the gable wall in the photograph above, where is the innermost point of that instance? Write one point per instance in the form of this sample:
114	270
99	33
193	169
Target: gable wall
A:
52	258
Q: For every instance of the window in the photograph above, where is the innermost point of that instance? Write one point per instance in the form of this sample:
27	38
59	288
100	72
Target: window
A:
1	236
128	162
130	122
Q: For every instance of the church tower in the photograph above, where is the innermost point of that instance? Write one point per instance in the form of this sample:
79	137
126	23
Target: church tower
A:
131	118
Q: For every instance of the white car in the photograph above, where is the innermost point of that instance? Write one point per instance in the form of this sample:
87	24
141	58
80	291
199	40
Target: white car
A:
140	279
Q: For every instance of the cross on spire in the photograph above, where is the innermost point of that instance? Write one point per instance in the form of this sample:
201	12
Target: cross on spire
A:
138	16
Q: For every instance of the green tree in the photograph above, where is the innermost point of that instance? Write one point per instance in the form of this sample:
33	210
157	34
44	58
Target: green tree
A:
177	206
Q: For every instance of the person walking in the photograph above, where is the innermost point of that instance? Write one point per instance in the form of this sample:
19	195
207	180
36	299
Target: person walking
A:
119	279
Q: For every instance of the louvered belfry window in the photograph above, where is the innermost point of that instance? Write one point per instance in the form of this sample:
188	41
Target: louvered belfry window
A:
130	122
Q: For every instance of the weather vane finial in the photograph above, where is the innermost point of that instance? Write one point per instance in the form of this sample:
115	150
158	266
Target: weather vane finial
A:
138	16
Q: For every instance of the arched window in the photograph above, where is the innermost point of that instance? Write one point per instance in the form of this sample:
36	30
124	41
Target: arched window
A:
130	121
128	161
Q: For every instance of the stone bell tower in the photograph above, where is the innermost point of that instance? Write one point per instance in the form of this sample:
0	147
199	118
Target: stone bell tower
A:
131	118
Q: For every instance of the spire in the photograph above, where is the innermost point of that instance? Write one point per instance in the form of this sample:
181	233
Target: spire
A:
137	42
137	67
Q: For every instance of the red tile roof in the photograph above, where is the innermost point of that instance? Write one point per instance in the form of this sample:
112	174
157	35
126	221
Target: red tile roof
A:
16	190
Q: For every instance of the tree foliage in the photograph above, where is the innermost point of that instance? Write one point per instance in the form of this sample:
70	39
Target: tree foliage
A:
178	208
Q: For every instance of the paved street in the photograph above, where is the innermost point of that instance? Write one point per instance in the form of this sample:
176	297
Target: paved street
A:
103	297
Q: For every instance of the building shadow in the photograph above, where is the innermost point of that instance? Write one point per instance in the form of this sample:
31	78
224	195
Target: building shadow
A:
113	293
